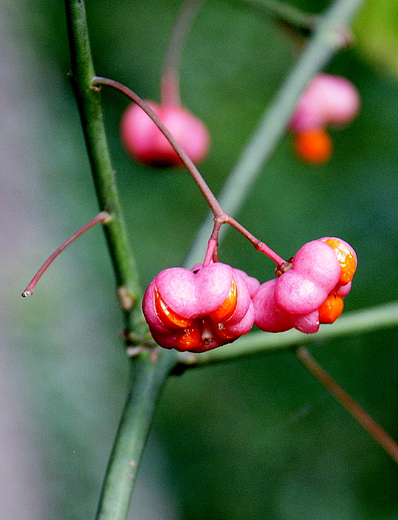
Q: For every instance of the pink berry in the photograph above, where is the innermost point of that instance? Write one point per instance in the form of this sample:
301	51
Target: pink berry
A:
252	283
272	318
309	290
146	143
198	310
340	97
316	260
297	294
268	316
307	323
328	100
315	272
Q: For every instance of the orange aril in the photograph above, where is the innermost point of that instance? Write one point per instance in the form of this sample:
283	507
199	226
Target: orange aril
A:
331	309
346	258
228	307
167	316
190	338
313	146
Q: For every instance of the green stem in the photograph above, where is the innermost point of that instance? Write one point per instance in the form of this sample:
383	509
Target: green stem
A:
150	369
89	105
358	322
147	379
328	37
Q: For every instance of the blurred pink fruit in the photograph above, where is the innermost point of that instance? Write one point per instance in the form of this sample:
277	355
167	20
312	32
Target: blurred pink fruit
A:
145	142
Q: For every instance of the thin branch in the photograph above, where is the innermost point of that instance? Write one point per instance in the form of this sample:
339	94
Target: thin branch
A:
170	75
282	13
194	172
102	217
328	37
220	217
352	407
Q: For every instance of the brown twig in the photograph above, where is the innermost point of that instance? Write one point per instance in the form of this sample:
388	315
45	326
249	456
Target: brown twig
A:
352	407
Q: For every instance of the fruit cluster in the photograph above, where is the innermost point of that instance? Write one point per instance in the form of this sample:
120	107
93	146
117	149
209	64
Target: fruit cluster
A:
212	305
328	101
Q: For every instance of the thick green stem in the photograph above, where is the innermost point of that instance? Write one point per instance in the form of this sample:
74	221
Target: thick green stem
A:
88	100
149	369
328	37
147	378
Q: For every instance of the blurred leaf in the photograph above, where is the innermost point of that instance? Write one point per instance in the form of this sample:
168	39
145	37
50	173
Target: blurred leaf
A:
376	29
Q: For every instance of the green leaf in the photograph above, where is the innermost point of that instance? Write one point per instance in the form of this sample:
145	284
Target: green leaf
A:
376	30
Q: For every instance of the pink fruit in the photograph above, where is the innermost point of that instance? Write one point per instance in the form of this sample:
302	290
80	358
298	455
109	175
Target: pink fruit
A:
316	260
315	272
272	318
268	316
146	143
328	100
309	289
198	310
297	294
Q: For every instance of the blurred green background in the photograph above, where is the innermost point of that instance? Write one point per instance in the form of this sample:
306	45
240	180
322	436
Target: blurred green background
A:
256	439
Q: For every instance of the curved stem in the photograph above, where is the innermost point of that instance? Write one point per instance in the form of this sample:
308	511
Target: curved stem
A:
357	322
218	214
103	217
170	77
352	407
148	374
204	188
89	105
328	37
